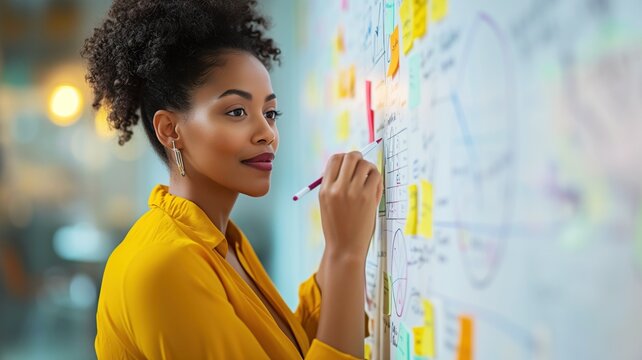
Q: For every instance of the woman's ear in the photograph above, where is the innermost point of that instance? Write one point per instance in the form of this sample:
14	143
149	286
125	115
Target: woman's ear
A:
166	126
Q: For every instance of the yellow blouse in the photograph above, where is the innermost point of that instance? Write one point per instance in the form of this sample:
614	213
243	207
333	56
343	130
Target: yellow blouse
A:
168	293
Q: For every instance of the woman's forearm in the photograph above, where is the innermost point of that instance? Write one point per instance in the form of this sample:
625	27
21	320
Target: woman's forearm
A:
341	279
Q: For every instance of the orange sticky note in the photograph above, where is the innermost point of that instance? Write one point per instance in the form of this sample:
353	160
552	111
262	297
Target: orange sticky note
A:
419	18
405	12
394	52
465	348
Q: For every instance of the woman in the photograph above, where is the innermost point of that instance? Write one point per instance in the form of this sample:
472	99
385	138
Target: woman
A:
185	282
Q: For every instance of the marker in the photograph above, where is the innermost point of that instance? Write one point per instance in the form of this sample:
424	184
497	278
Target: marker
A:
317	182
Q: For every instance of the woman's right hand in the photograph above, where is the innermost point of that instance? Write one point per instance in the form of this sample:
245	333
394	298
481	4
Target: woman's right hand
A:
349	196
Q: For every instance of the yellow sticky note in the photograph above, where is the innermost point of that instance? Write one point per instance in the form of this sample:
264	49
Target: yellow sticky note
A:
418	337
419	18
338	47
367	351
386	293
428	344
382	203
394	52
346	82
429	313
411	218
425	211
438	9
352	78
407	30
339	44
423	341
343	126
465	348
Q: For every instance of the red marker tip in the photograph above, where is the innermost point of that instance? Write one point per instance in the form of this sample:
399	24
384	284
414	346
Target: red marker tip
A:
295	198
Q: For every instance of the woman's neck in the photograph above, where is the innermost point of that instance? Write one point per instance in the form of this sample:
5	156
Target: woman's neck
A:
215	200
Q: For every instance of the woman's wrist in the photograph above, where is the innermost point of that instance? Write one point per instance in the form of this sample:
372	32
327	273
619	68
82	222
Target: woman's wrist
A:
344	257
341	279
336	263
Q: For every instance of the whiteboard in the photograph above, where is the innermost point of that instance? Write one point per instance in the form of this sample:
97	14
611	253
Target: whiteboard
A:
514	129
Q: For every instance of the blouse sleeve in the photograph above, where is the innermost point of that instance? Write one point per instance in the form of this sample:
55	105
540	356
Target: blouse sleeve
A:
309	309
308	312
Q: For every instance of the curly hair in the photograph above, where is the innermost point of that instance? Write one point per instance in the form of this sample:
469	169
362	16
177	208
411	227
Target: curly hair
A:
150	54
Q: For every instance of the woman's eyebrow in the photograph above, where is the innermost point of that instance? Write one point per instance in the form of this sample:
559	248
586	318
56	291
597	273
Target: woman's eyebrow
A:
244	94
241	93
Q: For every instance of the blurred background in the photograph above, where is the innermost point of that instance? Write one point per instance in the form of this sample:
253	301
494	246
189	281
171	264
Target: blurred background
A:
69	193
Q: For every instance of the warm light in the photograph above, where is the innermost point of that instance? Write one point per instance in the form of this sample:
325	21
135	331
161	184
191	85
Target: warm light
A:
65	104
102	126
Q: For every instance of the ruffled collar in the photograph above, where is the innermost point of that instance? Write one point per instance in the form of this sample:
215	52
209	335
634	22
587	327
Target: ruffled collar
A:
192	219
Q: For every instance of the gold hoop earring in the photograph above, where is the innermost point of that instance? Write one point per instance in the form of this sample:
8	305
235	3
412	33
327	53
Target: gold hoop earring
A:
179	159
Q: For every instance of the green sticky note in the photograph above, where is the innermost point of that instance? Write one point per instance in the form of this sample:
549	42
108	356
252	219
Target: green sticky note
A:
414	82
389	21
403	345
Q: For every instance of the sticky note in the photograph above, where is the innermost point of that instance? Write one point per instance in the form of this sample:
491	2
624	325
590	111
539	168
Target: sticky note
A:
465	347
414	81
352	79
438	9
343	126
382	203
389	21
387	284
403	344
419	337
429	312
379	95
428	343
407	30
346	82
411	218
419	18
339	44
394	52
338	47
367	351
369	111
425	210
